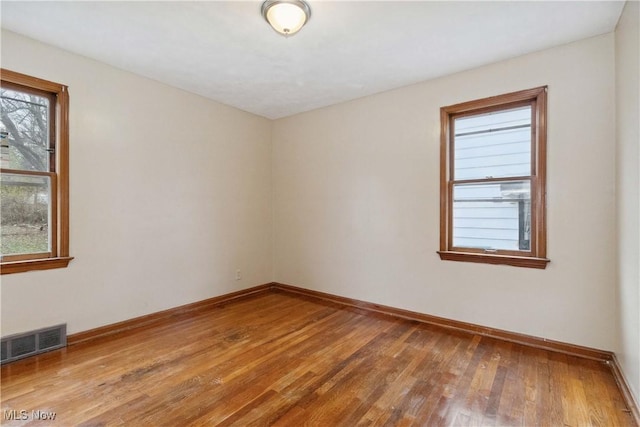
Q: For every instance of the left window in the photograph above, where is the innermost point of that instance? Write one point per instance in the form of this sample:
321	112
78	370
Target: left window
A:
34	174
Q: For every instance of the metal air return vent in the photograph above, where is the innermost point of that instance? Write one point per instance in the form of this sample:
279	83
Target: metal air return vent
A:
27	344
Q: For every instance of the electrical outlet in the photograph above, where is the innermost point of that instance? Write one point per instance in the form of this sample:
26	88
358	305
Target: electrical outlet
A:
238	275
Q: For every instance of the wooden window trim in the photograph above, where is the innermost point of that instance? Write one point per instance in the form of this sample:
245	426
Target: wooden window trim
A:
537	256
59	257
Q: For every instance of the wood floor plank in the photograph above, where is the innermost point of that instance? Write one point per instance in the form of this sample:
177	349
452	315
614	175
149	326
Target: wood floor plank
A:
285	360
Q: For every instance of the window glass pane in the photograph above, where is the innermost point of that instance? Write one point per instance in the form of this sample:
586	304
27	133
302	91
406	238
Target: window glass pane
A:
496	144
25	118
25	212
494	216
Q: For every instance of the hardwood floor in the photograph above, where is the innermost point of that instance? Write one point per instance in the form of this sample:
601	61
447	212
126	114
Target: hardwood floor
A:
279	359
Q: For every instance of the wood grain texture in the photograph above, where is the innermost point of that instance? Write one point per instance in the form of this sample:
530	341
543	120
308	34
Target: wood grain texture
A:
536	342
278	358
630	401
11	267
137	322
514	261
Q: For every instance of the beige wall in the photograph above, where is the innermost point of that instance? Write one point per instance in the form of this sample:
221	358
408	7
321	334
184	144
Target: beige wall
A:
356	201
628	187
170	194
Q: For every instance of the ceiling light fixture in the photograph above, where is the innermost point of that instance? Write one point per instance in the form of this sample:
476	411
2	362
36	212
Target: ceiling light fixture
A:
287	17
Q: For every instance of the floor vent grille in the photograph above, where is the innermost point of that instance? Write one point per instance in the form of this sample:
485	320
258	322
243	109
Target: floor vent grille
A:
30	343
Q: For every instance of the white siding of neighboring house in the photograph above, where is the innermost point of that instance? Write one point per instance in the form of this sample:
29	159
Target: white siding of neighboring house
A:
485	215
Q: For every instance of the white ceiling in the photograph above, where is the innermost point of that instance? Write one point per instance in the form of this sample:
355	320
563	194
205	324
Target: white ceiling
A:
227	52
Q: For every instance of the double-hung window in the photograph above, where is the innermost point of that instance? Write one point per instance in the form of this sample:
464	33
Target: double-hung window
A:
493	164
34	213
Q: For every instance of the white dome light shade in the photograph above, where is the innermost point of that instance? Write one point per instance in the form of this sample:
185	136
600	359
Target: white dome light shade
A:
286	17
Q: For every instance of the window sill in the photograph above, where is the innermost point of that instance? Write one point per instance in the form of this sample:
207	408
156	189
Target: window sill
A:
516	261
34	264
